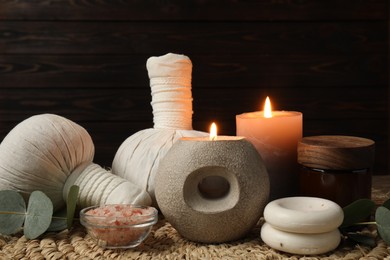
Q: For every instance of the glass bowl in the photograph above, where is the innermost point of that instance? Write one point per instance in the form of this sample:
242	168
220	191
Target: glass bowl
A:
118	225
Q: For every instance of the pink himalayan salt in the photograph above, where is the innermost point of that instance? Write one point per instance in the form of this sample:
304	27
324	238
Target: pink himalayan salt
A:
116	227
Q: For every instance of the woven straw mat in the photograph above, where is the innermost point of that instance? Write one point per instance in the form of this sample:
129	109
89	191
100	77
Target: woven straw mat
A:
165	243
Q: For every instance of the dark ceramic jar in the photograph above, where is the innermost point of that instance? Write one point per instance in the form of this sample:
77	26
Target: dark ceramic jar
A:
338	168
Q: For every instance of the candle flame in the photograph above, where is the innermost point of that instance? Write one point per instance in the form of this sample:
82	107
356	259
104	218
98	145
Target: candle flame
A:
267	108
213	132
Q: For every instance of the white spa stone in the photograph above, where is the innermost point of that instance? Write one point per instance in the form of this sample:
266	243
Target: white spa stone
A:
303	244
304	215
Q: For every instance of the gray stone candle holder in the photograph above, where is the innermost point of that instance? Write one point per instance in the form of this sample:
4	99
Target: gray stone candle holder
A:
212	191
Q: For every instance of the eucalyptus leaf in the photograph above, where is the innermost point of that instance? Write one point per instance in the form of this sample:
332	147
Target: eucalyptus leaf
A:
12	211
71	203
58	221
382	217
362	239
39	215
386	204
357	211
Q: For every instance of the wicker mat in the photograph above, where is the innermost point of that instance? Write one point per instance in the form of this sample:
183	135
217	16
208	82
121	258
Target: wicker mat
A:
165	243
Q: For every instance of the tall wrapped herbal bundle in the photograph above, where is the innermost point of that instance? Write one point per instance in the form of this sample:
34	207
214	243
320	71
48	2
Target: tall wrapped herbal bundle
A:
51	153
139	156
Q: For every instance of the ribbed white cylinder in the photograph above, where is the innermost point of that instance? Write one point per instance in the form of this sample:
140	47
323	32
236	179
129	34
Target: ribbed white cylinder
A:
99	186
170	82
96	184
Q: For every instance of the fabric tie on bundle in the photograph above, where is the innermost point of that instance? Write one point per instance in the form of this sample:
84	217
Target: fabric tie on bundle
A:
170	82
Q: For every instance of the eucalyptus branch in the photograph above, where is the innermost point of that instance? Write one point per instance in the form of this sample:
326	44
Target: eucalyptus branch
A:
357	212
12	213
366	223
37	217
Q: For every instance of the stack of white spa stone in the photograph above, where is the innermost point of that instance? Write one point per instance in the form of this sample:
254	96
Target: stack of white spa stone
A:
302	225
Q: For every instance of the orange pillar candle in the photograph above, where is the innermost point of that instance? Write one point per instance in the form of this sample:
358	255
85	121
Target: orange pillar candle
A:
275	135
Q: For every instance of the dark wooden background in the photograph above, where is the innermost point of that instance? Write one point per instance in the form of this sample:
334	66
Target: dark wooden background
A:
85	60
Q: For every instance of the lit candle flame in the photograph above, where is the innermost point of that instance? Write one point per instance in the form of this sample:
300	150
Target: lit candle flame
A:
267	108
213	132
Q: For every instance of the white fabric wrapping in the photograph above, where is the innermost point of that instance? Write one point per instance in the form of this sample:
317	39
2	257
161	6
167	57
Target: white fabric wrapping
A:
99	186
170	82
138	157
50	153
40	153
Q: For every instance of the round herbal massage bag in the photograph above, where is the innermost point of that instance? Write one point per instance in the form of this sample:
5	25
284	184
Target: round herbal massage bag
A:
50	153
139	156
40	153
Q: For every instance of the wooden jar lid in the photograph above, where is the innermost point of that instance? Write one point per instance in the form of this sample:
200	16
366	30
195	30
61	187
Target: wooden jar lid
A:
335	152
